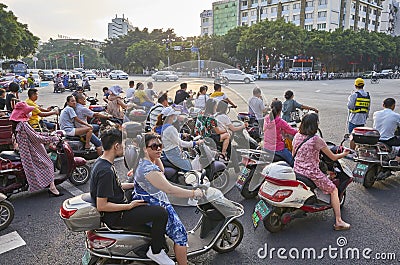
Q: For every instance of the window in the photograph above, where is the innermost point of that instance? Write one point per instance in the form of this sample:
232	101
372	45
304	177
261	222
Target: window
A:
254	2
296	17
309	15
296	6
285	7
244	24
244	14
244	3
286	18
322	2
309	3
322	14
363	19
274	9
352	17
321	26
253	13
308	27
374	11
364	8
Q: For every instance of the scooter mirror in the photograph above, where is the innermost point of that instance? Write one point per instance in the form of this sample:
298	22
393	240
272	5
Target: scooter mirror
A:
192	178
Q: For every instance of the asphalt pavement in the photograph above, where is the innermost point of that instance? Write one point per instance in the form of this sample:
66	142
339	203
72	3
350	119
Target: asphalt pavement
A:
374	213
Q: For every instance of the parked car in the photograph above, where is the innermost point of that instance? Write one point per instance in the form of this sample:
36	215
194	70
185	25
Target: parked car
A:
164	76
386	73
237	75
47	75
90	75
368	74
118	74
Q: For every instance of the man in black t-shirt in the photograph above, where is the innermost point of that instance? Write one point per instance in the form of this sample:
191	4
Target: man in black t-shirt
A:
108	193
181	95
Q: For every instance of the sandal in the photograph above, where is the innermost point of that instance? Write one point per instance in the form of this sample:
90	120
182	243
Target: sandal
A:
341	227
223	158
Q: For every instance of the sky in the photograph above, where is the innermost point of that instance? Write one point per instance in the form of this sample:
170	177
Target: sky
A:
89	19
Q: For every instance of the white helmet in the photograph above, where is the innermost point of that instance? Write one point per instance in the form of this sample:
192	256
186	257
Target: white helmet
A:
279	170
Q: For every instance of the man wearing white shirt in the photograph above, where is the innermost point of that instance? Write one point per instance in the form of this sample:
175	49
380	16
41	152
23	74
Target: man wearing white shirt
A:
386	121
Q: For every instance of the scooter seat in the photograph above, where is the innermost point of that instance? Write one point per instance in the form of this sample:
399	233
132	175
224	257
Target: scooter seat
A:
306	181
10	155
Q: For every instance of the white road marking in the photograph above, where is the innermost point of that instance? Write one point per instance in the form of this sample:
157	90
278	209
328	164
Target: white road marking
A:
10	241
318	91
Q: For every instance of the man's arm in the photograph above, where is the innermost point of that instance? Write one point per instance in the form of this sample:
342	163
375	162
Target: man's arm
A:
103	205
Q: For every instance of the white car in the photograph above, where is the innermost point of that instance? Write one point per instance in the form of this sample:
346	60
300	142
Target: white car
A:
237	75
118	74
90	75
164	76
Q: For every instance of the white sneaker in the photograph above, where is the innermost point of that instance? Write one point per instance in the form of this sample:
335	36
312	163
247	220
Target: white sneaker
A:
160	258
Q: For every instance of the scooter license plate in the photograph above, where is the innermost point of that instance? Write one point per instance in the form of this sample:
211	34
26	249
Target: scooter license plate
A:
86	258
360	171
53	156
242	178
261	210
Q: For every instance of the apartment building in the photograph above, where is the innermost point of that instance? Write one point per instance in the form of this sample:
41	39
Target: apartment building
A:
206	23
225	16
371	15
119	27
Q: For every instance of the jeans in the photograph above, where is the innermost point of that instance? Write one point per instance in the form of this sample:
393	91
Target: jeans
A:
175	157
49	125
352	126
95	140
286	155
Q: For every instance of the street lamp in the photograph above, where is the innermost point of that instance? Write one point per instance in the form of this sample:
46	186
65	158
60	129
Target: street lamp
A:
167	43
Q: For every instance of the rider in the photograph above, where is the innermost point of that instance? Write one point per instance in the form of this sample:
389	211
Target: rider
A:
274	129
116	104
386	121
108	194
151	186
38	112
306	150
181	94
290	105
140	94
202	97
151	119
219	95
85	82
257	107
359	105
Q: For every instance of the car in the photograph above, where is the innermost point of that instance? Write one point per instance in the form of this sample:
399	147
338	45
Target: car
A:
164	76
237	75
386	73
76	74
5	81
90	75
368	74
118	74
47	75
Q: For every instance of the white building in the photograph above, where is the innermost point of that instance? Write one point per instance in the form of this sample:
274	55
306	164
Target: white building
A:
119	27
206	23
371	15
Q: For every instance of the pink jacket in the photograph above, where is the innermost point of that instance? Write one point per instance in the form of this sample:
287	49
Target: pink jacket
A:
273	130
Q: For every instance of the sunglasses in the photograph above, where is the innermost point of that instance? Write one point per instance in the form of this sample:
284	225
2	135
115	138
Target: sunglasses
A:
155	146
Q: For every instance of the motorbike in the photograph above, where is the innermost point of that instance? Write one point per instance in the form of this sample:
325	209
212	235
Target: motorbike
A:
12	174
253	129
218	228
250	178
72	84
58	88
86	84
205	159
375	160
285	195
7	212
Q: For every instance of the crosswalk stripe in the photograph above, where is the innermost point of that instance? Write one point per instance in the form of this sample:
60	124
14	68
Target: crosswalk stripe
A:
10	241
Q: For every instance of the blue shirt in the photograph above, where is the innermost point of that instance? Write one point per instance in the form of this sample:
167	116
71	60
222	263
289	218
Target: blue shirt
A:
67	119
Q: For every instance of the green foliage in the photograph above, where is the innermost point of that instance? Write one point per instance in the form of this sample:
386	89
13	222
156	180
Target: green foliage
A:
15	38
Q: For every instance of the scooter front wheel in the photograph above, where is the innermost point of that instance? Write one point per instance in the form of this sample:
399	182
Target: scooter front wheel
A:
80	175
273	221
6	214
230	238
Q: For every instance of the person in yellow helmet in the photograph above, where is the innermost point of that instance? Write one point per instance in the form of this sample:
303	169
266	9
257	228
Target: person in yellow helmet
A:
359	105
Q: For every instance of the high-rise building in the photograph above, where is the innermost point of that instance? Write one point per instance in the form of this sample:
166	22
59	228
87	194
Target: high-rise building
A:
119	27
206	22
225	16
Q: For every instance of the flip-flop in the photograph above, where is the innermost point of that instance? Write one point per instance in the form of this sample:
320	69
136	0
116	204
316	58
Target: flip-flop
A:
341	227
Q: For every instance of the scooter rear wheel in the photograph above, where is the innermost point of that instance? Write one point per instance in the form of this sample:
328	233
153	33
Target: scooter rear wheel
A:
230	238
273	221
369	178
80	175
6	214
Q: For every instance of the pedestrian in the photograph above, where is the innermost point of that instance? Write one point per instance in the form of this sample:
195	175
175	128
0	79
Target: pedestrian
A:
37	165
359	105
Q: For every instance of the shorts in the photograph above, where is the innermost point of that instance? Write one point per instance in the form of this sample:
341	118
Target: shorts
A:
70	133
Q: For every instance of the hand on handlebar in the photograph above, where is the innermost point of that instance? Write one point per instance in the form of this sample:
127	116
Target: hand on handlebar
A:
198	142
198	194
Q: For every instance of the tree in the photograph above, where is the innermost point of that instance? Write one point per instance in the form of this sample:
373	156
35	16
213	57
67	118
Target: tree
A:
15	38
144	54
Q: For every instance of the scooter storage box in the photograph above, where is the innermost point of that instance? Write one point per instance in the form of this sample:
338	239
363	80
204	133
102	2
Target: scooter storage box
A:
85	218
132	129
365	135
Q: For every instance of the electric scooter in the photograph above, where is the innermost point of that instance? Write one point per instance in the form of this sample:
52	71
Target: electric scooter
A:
6	212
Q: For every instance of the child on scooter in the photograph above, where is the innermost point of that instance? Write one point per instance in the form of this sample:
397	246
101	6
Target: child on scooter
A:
307	160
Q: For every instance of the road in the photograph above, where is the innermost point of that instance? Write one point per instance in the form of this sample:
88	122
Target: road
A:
374	214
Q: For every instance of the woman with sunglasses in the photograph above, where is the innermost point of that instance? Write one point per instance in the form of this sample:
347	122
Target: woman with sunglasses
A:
151	185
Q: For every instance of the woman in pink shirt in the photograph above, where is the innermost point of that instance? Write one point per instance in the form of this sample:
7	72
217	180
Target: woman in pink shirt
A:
307	162
274	128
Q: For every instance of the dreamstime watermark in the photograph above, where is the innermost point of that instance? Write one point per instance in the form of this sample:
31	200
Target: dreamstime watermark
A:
338	251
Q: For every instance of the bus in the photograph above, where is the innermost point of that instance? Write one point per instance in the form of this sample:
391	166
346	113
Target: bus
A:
16	67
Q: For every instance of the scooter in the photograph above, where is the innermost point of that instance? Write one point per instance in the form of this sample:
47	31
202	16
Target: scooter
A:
205	159
217	228
6	212
253	129
285	195
12	174
58	87
375	160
